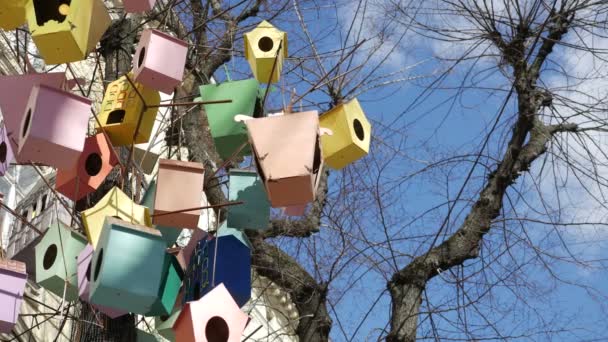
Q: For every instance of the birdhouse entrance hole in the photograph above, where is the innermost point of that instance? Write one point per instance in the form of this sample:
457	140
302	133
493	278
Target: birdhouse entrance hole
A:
2	152
47	10
142	56
116	116
93	164
265	44
98	264
26	125
49	257
359	129
217	330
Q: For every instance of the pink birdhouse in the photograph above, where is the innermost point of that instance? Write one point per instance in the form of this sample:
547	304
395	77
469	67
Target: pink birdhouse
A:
6	151
84	278
214	317
138	6
12	286
54	127
160	61
94	165
288	156
14	95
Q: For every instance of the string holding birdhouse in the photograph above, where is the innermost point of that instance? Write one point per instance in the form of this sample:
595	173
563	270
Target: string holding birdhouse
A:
224	259
138	6
114	203
13	277
125	268
66	31
172	195
214	317
289	178
84	282
6	151
12	14
54	127
351	134
170	234
248	187
159	61
228	135
94	165
266	50
127	114
56	264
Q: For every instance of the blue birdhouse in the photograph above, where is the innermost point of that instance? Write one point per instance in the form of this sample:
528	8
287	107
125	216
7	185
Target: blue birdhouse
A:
218	260
247	186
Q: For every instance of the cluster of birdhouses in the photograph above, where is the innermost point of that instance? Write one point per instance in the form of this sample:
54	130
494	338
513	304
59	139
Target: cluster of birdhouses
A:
129	261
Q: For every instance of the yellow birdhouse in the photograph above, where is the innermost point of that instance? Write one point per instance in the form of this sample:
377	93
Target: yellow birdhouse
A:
66	30
262	48
121	109
117	204
12	14
351	134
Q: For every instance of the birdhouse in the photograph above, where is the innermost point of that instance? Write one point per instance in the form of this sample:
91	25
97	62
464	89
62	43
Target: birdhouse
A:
143	336
224	230
121	109
248	187
12	286
146	159
12	14
56	263
138	6
180	185
6	151
94	165
171	283
127	272
288	156
164	325
351	134
84	280
114	203
54	127
214	317
14	95
170	234
227	261
66	31
160	61
266	49
228	134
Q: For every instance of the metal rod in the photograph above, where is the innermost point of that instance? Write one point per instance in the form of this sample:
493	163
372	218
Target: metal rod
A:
189	103
227	204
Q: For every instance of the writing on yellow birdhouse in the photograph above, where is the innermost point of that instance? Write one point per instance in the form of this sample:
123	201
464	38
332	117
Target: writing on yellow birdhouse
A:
351	134
12	14
66	30
117	204
263	46
121	109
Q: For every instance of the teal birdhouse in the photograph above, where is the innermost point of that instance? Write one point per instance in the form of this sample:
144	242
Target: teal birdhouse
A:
248	187
170	286
56	264
127	267
164	325
170	234
229	135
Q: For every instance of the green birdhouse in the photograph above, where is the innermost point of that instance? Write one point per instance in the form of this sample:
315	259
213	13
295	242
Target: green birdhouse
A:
56	264
127	267
229	135
164	325
170	234
171	283
248	187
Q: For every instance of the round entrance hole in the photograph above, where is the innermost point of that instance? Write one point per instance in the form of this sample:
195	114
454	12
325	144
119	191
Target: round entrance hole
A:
217	330
98	264
142	56
26	122
49	256
93	164
359	129
2	152
265	44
